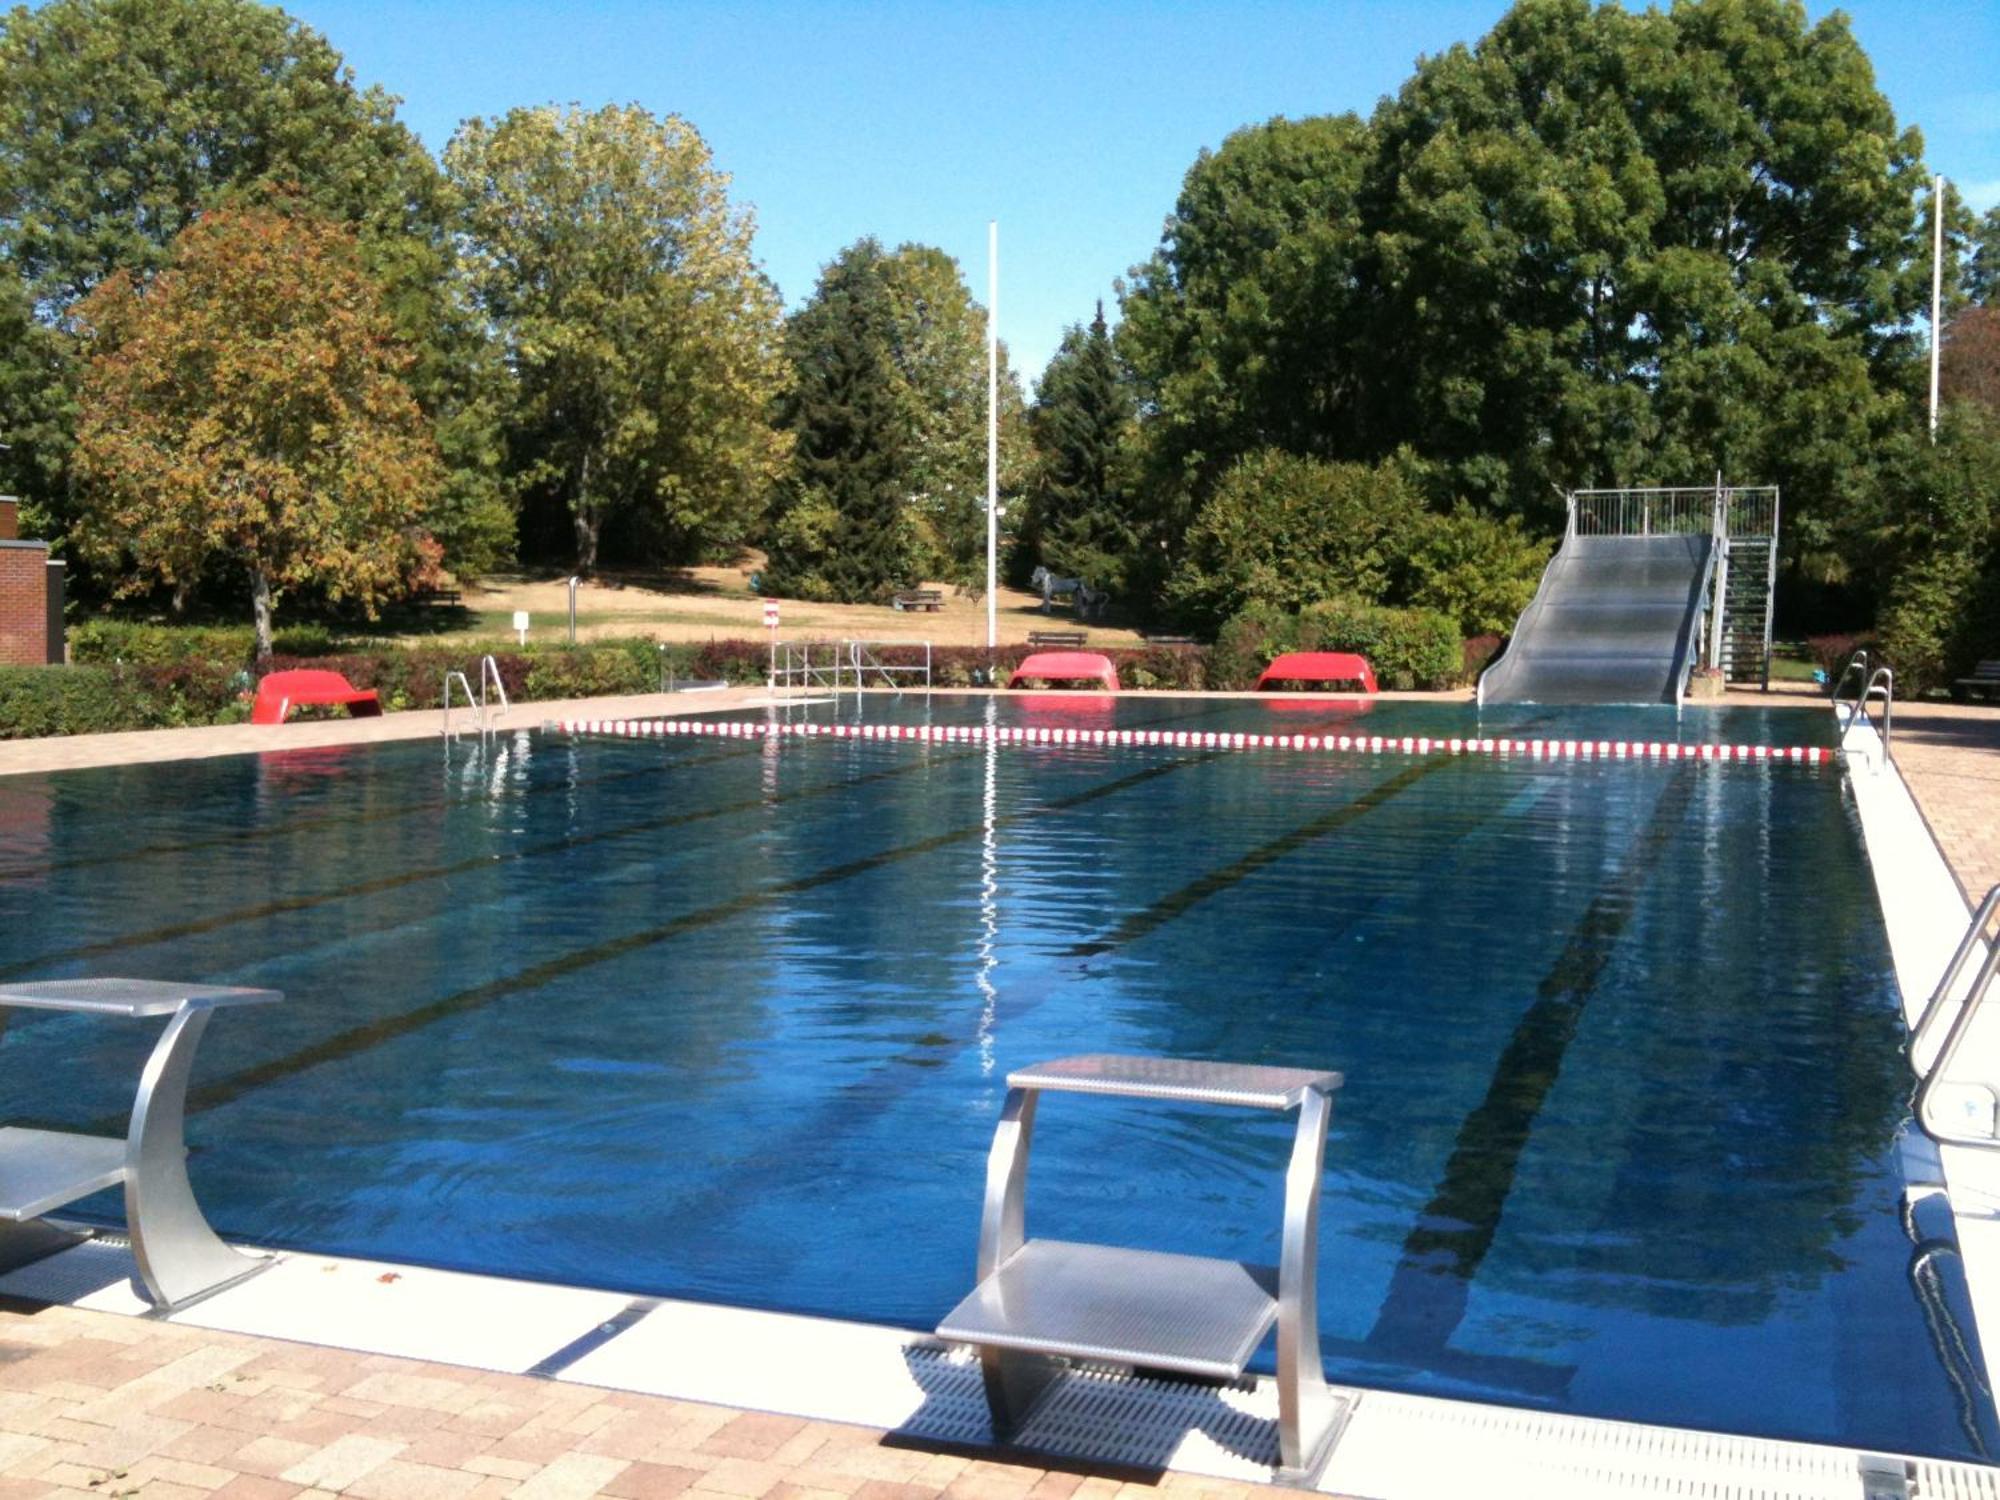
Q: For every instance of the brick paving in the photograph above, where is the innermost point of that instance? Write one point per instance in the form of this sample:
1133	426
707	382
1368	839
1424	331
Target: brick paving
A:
1949	754
114	1408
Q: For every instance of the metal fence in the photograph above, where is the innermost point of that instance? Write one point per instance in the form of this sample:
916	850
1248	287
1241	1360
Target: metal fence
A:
1693	510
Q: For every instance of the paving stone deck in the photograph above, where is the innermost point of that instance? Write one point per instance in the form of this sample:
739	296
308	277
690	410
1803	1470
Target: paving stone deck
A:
1949	754
116	1408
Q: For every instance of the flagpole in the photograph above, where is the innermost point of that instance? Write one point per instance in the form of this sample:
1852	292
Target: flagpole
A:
1937	289
992	436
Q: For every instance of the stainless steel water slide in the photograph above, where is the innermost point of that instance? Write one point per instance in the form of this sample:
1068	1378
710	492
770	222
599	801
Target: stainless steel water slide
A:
1616	620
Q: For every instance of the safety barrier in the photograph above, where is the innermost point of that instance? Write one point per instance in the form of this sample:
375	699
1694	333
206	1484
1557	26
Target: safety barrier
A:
1198	739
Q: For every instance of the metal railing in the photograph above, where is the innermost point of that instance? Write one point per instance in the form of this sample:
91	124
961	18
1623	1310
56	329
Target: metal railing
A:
489	672
1857	666
1677	510
470	701
862	658
1643	512
816	666
1881	684
1931	1075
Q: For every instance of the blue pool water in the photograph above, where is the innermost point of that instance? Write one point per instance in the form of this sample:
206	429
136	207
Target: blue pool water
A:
731	1022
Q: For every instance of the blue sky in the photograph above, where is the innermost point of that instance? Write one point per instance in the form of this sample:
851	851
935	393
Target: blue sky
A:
1072	124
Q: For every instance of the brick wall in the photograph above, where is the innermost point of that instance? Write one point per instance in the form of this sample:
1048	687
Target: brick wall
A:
10	518
24	607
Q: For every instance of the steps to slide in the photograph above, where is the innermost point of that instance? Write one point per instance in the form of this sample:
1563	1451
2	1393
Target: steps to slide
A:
1614	621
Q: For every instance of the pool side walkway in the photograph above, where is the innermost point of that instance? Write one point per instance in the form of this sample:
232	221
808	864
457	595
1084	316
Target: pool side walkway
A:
118	1408
1949	754
78	752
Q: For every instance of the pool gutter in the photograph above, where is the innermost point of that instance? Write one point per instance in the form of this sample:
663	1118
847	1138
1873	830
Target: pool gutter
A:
1924	912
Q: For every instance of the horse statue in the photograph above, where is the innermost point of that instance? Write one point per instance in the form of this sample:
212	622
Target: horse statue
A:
1050	585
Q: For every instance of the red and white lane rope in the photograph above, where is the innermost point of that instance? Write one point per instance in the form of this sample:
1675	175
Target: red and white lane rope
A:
1199	739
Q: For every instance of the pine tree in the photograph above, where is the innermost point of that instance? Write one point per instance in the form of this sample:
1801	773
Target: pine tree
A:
842	530
1081	524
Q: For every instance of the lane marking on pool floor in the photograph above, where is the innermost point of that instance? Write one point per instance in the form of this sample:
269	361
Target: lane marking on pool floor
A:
354	819
289	905
1429	1289
1197	739
359	1039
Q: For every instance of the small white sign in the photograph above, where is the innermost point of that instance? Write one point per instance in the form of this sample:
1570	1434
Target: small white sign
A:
770	614
521	625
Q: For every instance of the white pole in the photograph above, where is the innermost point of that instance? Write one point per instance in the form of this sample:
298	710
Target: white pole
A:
992	434
1937	289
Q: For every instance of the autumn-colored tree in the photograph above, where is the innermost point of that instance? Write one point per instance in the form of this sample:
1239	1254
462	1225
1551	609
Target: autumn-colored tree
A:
1969	358
249	402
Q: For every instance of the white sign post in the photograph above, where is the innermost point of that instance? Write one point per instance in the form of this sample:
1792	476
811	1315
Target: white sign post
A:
771	624
521	625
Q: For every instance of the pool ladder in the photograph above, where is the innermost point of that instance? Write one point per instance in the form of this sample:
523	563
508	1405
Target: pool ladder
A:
1880	683
489	675
1930	1077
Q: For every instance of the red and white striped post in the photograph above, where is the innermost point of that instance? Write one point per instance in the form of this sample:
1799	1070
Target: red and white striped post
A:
771	625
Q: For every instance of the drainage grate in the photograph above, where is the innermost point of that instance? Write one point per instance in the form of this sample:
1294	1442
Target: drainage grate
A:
1110	1417
1415	1449
1944	1481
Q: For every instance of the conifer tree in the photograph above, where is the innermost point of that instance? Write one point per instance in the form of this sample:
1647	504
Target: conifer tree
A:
842	529
1081	525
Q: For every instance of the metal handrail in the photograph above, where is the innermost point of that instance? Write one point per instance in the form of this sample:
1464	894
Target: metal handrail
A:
799	669
1688	649
1882	680
1931	1077
859	656
470	701
489	671
1857	663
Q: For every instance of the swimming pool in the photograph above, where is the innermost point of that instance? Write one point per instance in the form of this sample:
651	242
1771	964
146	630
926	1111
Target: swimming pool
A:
731	1022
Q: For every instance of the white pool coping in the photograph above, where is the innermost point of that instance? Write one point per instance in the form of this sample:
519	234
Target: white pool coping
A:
1395	1447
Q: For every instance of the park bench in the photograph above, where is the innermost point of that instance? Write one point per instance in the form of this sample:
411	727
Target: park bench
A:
1985	678
930	599
1168	640
1057	639
437	596
281	692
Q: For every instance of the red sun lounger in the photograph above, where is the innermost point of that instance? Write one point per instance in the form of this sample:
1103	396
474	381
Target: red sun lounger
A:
281	692
1320	666
1064	666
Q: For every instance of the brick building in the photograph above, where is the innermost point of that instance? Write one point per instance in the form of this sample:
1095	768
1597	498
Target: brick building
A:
31	596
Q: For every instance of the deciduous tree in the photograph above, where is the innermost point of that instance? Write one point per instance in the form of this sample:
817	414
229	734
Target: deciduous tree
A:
940	353
247	403
122	120
645	344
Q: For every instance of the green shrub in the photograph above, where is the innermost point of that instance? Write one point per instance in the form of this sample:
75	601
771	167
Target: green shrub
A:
1289	531
1941	613
37	701
1480	569
1408	648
